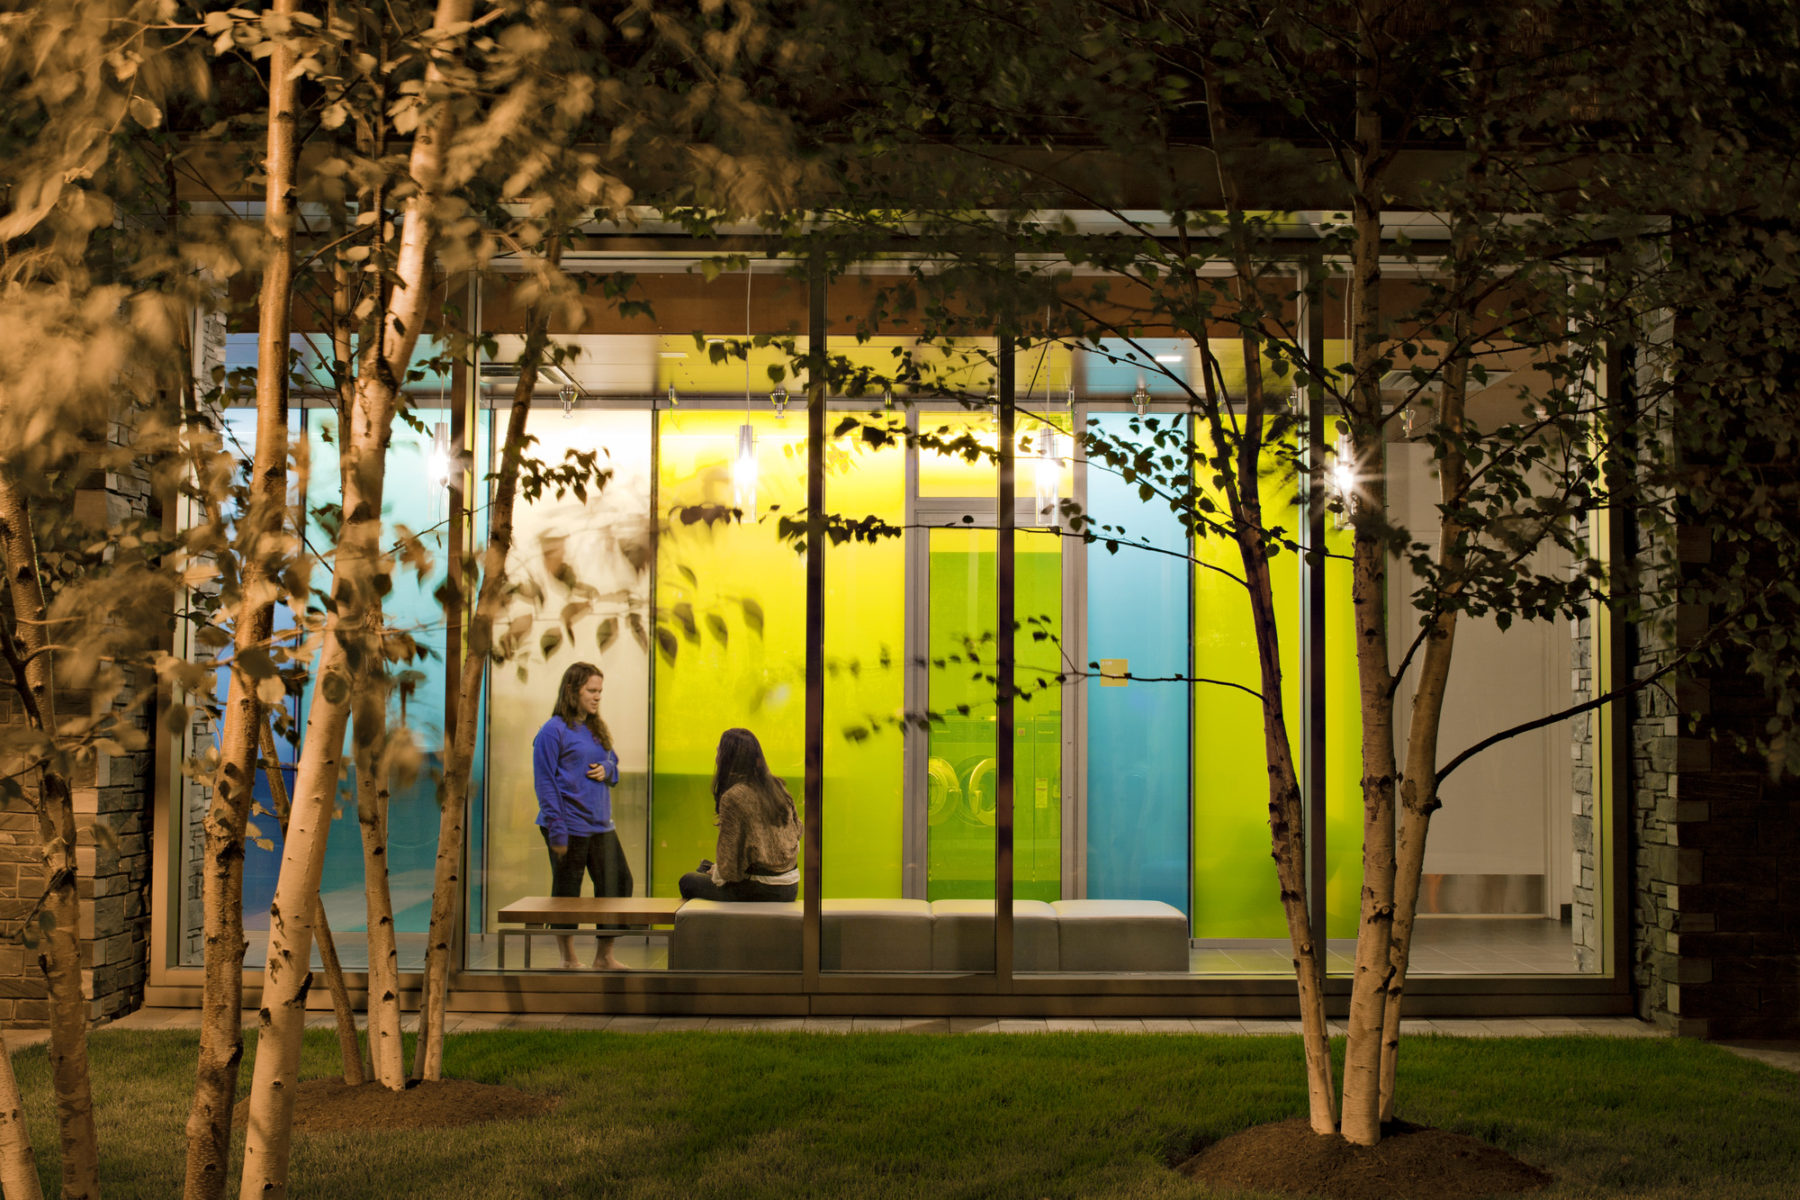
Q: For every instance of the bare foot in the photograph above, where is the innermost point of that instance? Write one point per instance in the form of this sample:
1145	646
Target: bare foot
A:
571	964
607	964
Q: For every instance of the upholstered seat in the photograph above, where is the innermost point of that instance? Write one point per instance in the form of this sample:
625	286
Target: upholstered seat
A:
875	935
712	935
962	936
1121	935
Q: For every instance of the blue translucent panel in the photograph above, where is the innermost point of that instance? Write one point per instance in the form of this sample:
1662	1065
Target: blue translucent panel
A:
1117	367
1137	734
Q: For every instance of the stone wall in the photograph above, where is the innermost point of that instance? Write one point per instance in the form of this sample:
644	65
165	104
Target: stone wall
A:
1585	779
112	797
1717	930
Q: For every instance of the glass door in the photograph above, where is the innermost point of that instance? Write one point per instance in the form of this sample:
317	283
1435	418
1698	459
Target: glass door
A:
960	767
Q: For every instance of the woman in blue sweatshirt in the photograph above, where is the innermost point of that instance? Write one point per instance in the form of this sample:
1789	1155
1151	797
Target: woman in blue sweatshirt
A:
574	767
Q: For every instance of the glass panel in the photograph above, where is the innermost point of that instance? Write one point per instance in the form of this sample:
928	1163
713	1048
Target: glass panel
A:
1235	890
1165	368
865	671
1044	462
961	770
238	430
579	571
732	596
1501	865
415	498
1137	729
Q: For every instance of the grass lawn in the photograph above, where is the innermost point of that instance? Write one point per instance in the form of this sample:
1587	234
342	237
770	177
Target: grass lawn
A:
688	1115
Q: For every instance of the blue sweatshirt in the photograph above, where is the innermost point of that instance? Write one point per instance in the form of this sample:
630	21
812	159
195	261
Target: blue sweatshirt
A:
569	803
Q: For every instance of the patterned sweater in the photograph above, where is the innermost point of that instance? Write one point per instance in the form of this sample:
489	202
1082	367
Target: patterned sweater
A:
748	844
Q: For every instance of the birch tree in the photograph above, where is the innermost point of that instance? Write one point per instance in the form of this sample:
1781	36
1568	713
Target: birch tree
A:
1192	127
264	548
90	349
347	641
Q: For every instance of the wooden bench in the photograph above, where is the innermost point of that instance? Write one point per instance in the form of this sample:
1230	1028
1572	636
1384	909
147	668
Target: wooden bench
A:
534	912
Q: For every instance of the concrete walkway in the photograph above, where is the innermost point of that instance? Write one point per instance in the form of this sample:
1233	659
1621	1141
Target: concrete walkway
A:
188	1018
1785	1055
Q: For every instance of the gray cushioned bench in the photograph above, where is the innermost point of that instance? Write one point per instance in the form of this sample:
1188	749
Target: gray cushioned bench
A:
940	935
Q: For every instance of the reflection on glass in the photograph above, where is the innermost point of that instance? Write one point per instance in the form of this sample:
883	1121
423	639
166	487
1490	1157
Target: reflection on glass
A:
1235	889
957	458
1502	863
415	501
961	769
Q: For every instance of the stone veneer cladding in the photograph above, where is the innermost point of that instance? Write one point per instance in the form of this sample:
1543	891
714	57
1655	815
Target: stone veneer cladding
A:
112	796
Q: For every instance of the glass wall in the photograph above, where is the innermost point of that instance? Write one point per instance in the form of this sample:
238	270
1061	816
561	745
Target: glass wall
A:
414	503
579	585
1138	742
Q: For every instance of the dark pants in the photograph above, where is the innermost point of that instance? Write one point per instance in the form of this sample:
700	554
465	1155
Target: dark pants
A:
598	856
698	885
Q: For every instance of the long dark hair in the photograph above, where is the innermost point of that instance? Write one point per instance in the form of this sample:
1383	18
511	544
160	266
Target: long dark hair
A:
740	760
568	701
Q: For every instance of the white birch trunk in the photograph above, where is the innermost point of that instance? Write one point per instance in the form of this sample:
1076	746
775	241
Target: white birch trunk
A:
1419	794
1287	815
285	978
385	1053
259	545
18	1165
1369	980
334	970
446	892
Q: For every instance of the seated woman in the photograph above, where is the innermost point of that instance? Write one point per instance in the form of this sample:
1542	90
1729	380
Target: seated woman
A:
759	831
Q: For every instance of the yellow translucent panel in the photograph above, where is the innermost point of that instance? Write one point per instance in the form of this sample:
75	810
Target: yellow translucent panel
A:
1236	894
946	471
731	596
956	367
579	572
725	366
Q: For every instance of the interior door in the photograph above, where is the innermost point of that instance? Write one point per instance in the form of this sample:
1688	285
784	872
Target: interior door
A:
960	768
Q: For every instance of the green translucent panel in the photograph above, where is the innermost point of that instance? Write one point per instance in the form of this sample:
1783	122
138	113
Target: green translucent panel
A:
1235	889
961	772
732	598
579	572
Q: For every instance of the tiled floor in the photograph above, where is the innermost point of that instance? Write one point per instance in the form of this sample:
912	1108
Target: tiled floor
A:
1441	946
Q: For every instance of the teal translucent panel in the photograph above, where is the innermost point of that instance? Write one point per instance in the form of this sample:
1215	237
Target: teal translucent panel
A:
1137	728
416	500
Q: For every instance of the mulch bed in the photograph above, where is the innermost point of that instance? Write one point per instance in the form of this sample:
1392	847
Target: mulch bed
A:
1410	1162
331	1104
